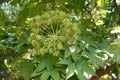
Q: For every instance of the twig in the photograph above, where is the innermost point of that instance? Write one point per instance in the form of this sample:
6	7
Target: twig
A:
102	72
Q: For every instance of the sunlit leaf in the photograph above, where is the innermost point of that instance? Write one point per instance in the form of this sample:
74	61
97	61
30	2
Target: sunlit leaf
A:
70	71
93	58
86	67
80	74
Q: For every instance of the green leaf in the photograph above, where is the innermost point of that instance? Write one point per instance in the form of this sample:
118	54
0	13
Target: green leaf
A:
114	48
39	68
21	48
118	59
45	75
79	74
26	70
46	61
65	61
85	67
93	58
91	50
55	74
103	3
67	53
104	44
49	60
14	2
70	71
36	74
76	57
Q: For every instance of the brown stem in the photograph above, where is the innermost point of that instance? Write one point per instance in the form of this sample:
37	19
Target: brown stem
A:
116	7
6	0
102	72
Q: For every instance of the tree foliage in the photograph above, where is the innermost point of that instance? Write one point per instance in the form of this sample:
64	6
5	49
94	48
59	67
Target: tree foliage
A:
59	39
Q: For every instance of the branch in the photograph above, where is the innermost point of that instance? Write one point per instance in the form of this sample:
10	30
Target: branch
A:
6	0
102	72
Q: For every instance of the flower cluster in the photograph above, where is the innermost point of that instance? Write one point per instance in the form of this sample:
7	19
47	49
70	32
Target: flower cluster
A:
51	32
